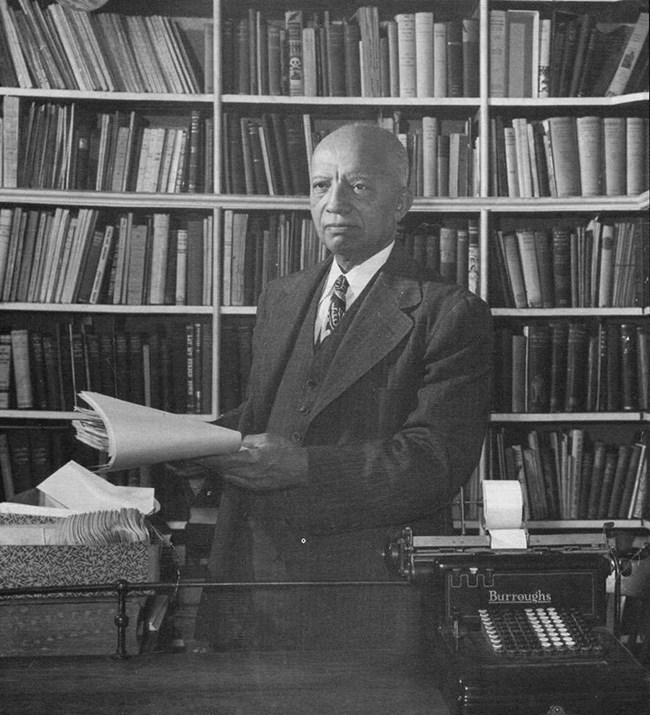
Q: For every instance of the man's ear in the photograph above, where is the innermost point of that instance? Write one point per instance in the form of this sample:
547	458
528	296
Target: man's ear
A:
403	203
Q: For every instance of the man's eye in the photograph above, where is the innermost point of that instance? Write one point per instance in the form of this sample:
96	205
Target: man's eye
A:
359	186
319	186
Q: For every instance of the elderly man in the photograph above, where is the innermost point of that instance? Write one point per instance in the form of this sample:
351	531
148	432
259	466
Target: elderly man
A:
367	408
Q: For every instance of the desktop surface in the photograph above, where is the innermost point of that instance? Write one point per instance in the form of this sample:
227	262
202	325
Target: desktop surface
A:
363	682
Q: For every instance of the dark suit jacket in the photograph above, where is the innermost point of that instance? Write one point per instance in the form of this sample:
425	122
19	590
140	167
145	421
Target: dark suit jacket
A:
395	430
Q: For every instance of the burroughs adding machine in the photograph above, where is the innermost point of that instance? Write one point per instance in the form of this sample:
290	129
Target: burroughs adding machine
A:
521	630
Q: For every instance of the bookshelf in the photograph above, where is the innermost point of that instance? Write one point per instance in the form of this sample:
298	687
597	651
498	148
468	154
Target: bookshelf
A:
221	99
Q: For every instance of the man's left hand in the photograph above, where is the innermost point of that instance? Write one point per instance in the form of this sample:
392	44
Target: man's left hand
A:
268	462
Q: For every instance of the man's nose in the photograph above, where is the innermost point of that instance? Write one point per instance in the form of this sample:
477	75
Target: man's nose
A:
337	199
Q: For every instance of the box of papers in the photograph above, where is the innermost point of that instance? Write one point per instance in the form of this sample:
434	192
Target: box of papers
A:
28	566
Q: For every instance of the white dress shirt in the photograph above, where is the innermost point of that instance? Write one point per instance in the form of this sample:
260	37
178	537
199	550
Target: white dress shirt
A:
358	278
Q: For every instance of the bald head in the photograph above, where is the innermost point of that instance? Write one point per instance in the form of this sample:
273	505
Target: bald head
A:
359	192
379	145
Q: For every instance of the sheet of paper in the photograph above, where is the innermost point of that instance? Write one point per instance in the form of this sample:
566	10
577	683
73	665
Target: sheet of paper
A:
76	487
34	510
138	435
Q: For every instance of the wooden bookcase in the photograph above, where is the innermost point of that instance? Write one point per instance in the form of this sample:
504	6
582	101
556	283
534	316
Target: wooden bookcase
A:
487	211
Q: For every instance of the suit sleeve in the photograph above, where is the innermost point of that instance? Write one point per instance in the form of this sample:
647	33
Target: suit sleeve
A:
416	470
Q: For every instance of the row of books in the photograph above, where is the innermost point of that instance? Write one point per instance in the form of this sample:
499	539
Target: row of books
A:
166	366
571	474
600	264
270	154
49	145
410	54
450	250
65	255
56	46
565	55
569	156
28	455
260	247
572	366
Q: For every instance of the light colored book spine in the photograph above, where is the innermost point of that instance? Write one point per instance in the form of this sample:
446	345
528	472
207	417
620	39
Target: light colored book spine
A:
424	53
180	294
606	276
407	58
393	57
309	65
498	51
439	59
630	56
10	141
512	164
226	281
564	144
523	157
614	139
429	156
6	219
159	258
529	267
590	151
636	156
544	70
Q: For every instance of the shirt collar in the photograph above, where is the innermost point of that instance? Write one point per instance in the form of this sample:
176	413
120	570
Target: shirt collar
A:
359	276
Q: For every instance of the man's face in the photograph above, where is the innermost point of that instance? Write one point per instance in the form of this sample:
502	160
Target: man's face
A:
356	198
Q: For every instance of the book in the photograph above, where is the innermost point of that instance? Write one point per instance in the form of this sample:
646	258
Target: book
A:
522	59
512	262
629	57
526	243
499	49
407	59
455	58
21	365
538	373
439	59
471	57
5	369
589	131
614	148
566	160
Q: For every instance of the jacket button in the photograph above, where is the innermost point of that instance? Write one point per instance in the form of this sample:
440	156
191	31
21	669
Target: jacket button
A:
303	409
311	383
296	436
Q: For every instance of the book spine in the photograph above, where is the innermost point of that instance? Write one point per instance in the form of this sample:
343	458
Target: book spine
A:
407	54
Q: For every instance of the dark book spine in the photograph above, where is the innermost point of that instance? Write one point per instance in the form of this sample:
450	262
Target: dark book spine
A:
629	397
39	377
613	372
576	368
600	458
352	37
455	58
559	348
539	368
561	246
607	483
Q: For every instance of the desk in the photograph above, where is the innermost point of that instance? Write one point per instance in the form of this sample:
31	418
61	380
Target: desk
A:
234	683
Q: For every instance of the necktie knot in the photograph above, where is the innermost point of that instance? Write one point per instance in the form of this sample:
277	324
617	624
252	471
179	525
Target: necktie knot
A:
337	304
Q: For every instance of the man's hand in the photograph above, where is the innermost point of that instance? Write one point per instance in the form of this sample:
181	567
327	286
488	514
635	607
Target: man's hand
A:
269	462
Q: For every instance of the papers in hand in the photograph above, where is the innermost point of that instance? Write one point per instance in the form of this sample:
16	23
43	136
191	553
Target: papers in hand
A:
133	435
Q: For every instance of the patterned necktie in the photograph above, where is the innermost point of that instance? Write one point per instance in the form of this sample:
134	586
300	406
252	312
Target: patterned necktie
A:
337	304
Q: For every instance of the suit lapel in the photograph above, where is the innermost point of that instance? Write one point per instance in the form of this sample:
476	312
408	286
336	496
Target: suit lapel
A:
380	324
